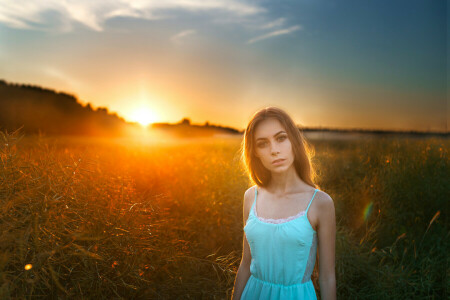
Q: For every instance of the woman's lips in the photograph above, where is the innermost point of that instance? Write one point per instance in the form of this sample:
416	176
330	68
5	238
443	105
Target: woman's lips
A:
278	161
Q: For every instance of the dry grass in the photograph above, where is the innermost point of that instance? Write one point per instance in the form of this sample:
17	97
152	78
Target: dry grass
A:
115	219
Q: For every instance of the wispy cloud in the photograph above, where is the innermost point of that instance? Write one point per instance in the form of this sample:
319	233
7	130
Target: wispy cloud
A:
275	33
58	74
276	23
177	37
26	14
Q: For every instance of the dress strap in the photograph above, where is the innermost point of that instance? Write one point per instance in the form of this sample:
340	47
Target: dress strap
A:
311	200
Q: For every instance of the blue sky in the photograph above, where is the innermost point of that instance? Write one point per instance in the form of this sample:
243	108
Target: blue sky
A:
342	64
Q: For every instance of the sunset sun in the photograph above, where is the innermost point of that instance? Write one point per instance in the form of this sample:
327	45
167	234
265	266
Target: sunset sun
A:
143	116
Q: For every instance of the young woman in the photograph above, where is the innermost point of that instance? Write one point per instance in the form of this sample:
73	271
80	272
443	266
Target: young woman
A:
286	218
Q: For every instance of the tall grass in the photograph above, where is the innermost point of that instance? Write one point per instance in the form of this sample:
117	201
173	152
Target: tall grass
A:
71	230
117	219
398	248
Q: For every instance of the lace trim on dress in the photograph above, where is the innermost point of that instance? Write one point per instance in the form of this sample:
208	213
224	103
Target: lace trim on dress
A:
278	221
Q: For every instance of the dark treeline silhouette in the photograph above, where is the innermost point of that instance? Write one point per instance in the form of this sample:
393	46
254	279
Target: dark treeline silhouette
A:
44	110
38	109
186	129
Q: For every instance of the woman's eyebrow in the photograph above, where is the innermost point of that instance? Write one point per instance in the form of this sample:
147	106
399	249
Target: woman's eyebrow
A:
273	135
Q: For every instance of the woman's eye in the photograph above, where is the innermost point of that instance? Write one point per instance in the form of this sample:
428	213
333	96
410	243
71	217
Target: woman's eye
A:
280	138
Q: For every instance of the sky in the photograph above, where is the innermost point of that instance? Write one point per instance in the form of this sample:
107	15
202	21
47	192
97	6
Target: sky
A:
337	64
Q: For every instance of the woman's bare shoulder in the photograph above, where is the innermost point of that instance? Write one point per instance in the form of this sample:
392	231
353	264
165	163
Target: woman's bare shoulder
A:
322	207
323	197
249	195
323	201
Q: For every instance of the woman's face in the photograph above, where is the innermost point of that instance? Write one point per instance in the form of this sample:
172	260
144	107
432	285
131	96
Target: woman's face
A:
272	143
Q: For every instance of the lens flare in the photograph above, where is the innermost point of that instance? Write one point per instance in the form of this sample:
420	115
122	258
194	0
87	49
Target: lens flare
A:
368	210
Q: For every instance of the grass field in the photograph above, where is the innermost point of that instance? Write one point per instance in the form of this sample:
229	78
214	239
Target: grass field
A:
86	218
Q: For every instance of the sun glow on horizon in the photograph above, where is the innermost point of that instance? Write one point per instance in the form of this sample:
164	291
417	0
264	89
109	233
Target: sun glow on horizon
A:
144	116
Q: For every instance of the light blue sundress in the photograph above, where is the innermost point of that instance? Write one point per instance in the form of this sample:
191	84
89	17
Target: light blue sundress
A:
283	257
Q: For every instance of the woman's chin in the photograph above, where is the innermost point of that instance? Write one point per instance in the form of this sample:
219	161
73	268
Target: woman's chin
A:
280	169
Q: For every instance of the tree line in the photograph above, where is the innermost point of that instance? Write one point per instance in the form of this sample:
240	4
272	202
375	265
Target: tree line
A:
39	109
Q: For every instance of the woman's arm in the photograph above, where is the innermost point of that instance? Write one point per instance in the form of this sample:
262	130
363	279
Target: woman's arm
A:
326	230
243	272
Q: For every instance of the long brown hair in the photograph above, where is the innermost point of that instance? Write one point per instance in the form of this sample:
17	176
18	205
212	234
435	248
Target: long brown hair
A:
303	152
